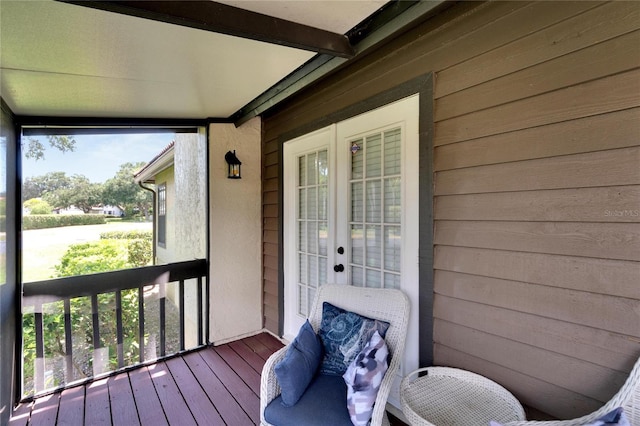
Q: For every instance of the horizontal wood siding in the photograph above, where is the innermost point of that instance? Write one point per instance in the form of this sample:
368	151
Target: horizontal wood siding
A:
537	210
537	189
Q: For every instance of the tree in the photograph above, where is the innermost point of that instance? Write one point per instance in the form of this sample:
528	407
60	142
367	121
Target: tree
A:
35	149
37	187
122	190
37	206
80	193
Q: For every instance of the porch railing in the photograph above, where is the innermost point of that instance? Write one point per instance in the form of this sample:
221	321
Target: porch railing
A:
57	304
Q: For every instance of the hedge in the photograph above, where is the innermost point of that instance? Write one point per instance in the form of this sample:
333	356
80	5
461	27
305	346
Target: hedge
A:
43	221
126	235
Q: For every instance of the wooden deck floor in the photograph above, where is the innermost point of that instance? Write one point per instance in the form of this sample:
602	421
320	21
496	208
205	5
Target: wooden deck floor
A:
213	386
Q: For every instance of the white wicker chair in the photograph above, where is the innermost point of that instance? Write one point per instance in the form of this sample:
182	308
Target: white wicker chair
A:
628	397
383	304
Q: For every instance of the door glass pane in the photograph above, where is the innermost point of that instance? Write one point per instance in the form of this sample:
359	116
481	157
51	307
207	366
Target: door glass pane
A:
374	201
373	149
312	203
312	237
323	234
392	245
357	202
303	304
313	271
323	200
357	160
372	279
302	236
357	245
302	171
391	280
302	203
323	168
392	152
373	246
302	268
312	169
392	202
322	270
312	215
357	278
375	198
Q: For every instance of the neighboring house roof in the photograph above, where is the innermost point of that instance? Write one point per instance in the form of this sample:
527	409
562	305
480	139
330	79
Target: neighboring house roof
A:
157	164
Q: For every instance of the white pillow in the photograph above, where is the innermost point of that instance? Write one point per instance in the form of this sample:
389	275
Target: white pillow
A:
363	378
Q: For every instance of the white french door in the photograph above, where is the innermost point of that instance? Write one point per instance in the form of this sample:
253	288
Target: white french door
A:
351	212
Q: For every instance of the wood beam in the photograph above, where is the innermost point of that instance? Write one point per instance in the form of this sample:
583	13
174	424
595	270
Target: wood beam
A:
220	18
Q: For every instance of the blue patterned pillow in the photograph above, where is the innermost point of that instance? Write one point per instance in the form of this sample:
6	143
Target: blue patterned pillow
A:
364	377
344	334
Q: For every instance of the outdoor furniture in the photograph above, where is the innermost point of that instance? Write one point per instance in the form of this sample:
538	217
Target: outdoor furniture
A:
383	304
628	397
446	396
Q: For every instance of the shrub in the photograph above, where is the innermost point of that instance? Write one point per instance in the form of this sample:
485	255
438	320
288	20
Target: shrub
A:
37	206
140	252
126	235
58	220
139	245
93	257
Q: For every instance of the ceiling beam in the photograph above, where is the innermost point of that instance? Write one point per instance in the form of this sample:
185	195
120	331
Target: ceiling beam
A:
397	16
221	18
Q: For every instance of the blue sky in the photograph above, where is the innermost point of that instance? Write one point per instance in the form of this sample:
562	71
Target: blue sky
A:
97	157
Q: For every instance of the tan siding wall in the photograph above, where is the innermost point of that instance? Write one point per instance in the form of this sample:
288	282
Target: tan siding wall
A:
537	189
536	149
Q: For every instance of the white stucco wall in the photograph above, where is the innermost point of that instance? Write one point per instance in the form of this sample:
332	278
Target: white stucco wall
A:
235	232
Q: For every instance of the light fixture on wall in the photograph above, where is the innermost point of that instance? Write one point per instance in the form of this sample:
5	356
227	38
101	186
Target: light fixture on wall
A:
233	165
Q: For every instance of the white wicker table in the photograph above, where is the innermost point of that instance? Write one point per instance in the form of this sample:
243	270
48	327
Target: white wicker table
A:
452	397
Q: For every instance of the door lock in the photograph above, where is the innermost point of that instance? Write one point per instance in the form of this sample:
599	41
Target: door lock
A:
340	250
338	268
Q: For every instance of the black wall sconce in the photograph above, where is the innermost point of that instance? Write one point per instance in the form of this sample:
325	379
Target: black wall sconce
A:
233	165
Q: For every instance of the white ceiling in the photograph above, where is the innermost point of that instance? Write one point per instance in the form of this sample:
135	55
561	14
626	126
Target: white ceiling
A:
58	59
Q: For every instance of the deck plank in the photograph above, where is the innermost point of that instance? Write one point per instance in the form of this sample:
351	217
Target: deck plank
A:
249	355
97	407
121	397
246	397
210	386
173	403
71	411
258	347
241	367
269	341
21	414
146	398
201	407
229	409
45	410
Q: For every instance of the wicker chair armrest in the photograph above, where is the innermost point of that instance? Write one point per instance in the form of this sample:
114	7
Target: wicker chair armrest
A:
269	388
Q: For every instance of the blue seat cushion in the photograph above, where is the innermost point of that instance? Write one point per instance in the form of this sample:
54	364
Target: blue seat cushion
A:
324	403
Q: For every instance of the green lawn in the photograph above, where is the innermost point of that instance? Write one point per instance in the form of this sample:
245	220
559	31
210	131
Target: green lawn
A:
43	248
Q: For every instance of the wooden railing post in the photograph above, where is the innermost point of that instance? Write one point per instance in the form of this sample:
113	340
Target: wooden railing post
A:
119	332
38	378
68	343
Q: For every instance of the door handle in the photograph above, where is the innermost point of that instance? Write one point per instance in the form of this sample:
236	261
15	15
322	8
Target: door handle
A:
338	268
